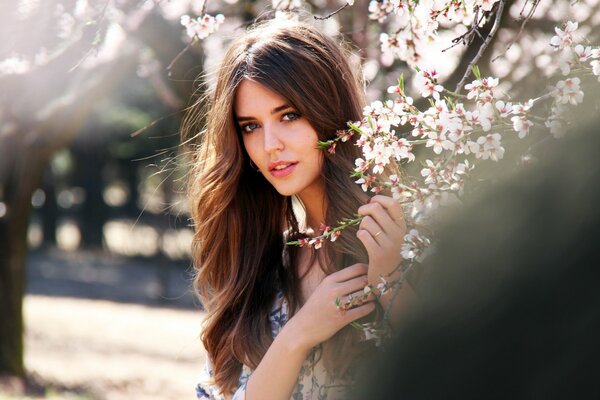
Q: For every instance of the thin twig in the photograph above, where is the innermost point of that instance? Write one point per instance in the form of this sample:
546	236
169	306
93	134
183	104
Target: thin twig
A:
467	37
399	283
181	53
544	97
189	45
484	46
203	8
333	13
522	28
96	35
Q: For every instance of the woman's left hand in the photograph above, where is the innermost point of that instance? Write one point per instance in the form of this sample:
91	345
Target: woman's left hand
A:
382	232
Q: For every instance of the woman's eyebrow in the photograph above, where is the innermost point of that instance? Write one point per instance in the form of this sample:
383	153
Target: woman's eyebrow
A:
273	111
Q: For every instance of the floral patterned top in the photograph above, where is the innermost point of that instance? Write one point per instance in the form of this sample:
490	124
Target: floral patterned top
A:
313	381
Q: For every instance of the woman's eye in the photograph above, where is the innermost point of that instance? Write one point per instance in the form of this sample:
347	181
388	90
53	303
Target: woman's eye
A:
291	116
248	128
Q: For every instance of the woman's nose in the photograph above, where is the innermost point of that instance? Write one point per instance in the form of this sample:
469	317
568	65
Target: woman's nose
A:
272	139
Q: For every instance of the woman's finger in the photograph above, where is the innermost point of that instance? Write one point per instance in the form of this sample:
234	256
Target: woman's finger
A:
350	272
352	285
381	216
393	208
375	230
369	242
358	312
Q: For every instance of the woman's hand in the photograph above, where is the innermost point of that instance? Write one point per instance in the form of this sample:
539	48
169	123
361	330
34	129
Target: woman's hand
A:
382	232
320	318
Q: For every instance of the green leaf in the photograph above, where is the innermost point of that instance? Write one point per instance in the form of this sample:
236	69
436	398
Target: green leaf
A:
401	83
371	123
476	72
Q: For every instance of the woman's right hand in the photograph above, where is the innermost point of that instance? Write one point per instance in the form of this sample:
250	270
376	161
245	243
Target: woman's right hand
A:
320	318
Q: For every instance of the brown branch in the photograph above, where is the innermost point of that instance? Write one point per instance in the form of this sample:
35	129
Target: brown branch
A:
484	45
333	13
526	19
467	37
203	8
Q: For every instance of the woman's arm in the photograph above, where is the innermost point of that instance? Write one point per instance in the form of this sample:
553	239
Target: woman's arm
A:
382	232
318	320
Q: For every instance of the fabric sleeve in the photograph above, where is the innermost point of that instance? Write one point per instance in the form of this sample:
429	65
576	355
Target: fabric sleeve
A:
206	389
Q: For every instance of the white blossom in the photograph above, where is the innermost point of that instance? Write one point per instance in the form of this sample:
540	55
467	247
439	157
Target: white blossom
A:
583	53
439	142
414	246
564	37
201	27
505	109
488	146
521	125
361	165
486	5
565	61
569	91
426	83
430	173
556	120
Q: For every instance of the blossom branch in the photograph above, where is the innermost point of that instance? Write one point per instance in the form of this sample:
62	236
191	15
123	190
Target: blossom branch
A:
397	285
197	29
484	45
467	37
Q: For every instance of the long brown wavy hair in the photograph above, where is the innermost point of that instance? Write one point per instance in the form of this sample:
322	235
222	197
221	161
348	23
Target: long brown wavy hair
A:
240	218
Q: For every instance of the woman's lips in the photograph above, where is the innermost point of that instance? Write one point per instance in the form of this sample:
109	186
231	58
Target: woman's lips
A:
280	173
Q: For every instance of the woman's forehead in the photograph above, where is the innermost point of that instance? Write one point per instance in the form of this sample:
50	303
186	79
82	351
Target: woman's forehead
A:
252	97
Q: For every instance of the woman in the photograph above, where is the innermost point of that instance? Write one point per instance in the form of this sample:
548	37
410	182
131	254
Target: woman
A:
273	329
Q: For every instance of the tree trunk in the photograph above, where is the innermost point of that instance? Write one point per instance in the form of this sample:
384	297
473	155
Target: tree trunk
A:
23	178
25	151
89	159
36	123
12	286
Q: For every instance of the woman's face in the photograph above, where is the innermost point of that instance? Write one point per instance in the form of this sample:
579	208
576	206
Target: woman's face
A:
279	140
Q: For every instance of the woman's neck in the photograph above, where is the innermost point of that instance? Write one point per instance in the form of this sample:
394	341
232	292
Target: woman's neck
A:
314	204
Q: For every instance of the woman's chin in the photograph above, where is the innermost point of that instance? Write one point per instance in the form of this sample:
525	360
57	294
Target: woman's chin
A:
286	191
